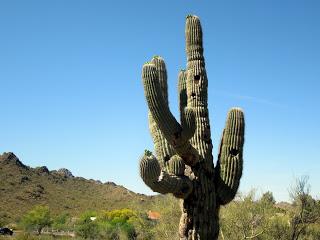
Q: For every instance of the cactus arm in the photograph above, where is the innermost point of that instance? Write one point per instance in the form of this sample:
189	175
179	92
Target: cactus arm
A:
163	149
161	181
230	162
168	125
162	75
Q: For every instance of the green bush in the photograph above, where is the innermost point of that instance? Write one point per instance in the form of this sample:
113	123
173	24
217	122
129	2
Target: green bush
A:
86	228
120	224
114	225
61	222
36	219
167	226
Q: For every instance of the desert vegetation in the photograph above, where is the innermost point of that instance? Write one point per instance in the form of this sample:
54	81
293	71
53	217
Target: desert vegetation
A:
247	217
72	95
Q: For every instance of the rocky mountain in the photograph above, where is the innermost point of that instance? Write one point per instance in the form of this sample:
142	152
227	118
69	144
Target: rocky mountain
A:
22	187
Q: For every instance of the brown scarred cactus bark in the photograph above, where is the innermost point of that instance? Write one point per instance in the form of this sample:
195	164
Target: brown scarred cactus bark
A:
184	163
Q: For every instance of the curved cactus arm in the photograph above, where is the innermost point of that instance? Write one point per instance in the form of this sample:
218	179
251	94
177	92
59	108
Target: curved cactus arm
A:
163	149
161	181
168	125
230	162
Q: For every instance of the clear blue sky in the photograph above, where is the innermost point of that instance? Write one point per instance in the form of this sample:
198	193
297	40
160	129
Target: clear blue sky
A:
71	92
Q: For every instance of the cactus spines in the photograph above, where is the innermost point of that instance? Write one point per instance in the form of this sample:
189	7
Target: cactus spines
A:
230	156
170	128
161	181
176	165
162	148
184	163
149	169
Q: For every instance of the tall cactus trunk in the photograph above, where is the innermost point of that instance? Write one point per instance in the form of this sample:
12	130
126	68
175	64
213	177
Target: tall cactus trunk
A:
184	163
199	219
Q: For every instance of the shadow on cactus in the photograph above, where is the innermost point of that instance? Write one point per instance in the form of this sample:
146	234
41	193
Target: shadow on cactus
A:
183	162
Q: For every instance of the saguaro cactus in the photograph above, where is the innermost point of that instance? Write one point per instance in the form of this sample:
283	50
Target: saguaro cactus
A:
183	164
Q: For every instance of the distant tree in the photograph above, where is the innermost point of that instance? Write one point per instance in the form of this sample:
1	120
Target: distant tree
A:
60	222
267	197
306	209
279	227
37	219
245	218
120	224
87	227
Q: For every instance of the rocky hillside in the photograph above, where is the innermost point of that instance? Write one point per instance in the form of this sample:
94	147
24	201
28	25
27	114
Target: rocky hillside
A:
22	187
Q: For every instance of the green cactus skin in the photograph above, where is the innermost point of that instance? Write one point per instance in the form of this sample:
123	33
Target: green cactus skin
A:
176	165
184	163
161	181
163	150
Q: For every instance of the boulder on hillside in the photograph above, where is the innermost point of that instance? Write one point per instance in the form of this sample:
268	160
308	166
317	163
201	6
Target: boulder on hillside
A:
110	183
11	158
42	170
65	173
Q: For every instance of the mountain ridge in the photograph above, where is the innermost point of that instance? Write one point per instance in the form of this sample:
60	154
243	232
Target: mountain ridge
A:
22	187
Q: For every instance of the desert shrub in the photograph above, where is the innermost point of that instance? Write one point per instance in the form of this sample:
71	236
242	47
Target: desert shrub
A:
306	210
25	236
278	227
3	219
36	219
120	224
313	232
61	222
268	198
30	236
167	226
246	218
86	227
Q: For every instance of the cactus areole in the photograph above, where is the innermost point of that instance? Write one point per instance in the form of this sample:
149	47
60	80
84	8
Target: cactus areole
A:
183	164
